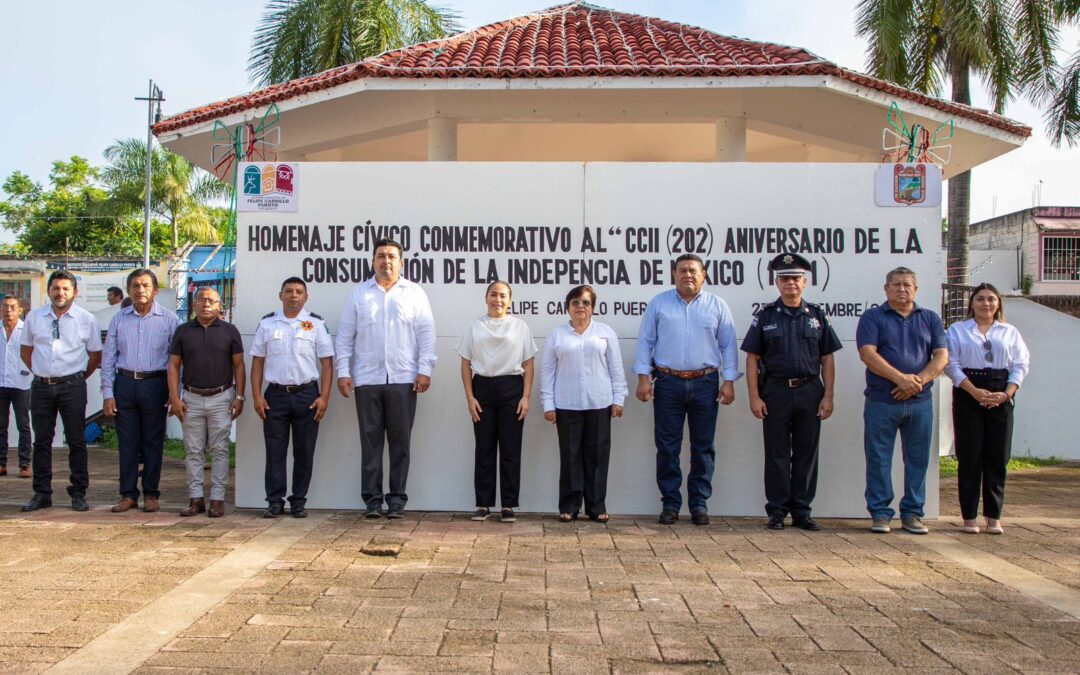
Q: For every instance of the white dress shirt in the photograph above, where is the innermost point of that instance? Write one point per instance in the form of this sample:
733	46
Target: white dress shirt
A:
385	336
497	347
967	350
292	347
582	371
68	354
13	372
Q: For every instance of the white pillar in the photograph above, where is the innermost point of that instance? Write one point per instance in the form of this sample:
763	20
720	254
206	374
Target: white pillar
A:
731	139
442	139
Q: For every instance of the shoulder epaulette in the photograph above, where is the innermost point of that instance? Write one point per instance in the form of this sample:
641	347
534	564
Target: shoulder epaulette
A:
316	316
268	315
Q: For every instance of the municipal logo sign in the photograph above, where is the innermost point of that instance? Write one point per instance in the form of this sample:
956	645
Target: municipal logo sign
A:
268	187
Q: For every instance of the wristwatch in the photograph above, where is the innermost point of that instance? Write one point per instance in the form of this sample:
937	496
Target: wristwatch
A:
240	398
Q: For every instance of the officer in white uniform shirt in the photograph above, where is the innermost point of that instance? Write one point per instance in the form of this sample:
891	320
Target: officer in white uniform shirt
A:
293	351
61	344
14	385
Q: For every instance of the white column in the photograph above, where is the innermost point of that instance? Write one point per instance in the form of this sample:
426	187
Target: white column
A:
731	139
442	139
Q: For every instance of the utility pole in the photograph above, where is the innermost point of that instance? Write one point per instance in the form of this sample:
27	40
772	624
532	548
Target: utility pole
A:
153	115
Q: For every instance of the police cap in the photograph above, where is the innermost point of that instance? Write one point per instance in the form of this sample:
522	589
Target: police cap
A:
789	265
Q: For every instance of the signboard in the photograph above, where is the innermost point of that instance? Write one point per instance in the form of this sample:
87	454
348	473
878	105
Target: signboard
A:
912	185
268	187
547	227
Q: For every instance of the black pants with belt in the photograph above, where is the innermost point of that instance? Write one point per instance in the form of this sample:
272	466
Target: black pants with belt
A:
584	451
290	412
791	429
69	400
983	444
19	401
141	416
498	438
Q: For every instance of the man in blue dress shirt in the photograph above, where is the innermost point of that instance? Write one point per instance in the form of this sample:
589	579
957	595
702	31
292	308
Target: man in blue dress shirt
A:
135	390
686	343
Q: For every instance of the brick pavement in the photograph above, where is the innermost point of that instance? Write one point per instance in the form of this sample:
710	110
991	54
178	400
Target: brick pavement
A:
541	596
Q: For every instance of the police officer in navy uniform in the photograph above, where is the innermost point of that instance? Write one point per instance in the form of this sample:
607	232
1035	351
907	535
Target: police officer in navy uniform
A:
790	375
294	351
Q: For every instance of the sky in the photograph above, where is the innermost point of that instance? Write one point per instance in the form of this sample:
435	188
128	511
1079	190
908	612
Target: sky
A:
70	70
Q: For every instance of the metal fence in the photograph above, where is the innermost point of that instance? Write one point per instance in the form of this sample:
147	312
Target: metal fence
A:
185	299
954	298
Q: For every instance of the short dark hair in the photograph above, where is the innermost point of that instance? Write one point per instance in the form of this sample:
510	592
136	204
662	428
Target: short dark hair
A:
135	274
387	241
578	291
116	290
901	272
999	315
690	256
62	274
293	280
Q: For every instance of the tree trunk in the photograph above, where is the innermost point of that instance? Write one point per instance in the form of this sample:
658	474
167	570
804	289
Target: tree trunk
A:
956	266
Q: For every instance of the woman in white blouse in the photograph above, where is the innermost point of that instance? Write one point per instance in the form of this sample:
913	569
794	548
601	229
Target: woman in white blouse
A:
582	386
497	353
988	361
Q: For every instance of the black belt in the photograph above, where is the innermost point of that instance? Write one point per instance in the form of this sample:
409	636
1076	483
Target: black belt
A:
208	392
791	383
988	373
144	375
74	377
290	388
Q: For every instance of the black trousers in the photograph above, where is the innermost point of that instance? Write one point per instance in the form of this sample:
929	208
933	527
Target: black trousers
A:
19	400
69	400
140	432
584	451
290	413
792	430
385	413
983	443
498	439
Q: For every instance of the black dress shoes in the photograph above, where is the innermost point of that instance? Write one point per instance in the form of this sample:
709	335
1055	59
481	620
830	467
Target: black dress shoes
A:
776	522
668	517
699	518
37	502
274	510
807	524
298	511
78	503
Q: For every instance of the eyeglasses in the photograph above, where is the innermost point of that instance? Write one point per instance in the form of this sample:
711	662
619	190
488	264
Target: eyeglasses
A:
581	303
56	329
989	347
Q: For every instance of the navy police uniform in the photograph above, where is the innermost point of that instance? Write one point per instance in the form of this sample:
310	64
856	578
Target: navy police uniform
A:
790	342
292	349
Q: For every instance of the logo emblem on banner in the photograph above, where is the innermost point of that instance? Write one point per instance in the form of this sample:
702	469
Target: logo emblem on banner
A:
917	185
909	183
269	186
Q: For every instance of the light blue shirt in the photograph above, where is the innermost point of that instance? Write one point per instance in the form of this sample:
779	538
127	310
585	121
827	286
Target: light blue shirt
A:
139	343
687	335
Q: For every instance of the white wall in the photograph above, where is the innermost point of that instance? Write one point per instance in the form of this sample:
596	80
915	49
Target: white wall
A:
610	198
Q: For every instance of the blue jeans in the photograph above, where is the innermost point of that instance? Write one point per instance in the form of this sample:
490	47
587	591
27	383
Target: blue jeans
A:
676	400
915	421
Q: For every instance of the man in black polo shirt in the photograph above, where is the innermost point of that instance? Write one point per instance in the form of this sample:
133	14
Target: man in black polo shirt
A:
212	354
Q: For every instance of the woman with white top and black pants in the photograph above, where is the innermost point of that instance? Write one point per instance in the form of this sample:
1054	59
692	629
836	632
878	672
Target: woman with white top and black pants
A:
988	361
497	353
582	386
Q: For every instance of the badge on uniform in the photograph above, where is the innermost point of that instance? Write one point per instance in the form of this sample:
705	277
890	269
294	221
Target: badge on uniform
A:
814	323
307	325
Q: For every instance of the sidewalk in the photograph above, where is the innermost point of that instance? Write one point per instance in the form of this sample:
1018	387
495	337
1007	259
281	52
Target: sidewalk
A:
102	592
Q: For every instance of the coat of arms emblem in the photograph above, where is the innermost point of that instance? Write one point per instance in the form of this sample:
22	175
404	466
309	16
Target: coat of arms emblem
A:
909	183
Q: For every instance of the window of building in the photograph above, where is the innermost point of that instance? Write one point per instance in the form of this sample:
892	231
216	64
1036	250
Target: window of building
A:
1061	258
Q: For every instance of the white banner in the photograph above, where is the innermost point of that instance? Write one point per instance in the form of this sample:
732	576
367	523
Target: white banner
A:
548	227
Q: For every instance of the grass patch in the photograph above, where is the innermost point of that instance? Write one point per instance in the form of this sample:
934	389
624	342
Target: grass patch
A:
174	447
947	465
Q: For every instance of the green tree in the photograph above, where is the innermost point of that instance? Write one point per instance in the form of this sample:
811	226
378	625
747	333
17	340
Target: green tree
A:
296	38
1010	44
73	215
181	193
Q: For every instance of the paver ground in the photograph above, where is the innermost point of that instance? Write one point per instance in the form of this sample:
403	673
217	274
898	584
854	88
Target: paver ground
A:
535	596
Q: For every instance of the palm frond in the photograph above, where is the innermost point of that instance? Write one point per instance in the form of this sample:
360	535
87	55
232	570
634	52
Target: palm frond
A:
886	25
1063	111
928	47
1037	41
999	71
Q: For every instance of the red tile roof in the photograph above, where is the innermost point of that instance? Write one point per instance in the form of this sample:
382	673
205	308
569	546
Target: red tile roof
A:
580	40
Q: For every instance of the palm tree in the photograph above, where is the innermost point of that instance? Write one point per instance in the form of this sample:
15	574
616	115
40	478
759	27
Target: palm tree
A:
180	193
296	38
1010	44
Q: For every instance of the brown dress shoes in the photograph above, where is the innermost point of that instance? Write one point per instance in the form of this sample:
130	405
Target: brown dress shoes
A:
151	504
194	508
125	504
217	508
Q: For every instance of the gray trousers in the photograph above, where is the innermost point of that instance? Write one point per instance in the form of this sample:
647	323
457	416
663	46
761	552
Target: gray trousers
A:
207	426
385	413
